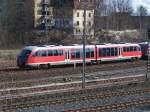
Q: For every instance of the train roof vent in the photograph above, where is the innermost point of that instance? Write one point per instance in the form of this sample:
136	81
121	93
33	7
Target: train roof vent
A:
122	43
127	43
75	44
51	45
46	45
107	43
101	44
41	46
143	43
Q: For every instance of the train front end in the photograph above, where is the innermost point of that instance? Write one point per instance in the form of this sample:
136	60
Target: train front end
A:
22	59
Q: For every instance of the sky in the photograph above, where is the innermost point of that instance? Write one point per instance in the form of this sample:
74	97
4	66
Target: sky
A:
137	3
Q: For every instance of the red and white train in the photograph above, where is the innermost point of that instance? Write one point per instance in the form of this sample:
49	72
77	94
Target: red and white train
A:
48	55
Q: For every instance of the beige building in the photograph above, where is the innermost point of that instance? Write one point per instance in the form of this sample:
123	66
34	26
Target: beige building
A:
64	14
43	14
78	18
78	22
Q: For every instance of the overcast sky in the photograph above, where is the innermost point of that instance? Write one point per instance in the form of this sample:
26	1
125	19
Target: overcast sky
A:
137	3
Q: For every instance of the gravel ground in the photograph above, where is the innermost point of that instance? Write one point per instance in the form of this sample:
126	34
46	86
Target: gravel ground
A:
64	71
7	63
38	74
86	104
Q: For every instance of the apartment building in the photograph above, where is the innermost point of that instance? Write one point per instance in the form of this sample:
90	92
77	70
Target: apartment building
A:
78	18
43	14
64	15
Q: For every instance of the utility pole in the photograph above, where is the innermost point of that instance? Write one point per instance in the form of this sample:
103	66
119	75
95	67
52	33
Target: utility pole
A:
44	18
148	55
84	39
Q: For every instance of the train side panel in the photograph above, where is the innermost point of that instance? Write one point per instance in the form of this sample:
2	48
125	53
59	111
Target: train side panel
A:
47	56
76	55
107	53
131	52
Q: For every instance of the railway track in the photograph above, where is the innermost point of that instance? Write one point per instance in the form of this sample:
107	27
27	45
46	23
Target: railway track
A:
23	91
16	69
67	71
80	98
36	86
74	77
112	107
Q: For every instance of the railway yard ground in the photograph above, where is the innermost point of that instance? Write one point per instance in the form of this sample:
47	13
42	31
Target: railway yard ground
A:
110	87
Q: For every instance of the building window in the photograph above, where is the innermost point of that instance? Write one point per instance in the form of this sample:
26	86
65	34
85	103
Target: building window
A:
48	21
89	31
39	5
78	31
83	14
48	13
77	14
83	23
39	12
78	23
89	14
89	23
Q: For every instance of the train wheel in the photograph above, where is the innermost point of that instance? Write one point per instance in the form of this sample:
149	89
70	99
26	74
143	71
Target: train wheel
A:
44	66
92	62
133	59
48	66
99	62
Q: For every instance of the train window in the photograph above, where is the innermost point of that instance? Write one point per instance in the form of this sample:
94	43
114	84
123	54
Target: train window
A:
55	52
60	52
50	53
112	52
124	49
104	52
108	52
116	51
128	49
88	53
134	49
138	49
100	52
76	53
40	53
25	52
131	49
43	53
73	54
92	53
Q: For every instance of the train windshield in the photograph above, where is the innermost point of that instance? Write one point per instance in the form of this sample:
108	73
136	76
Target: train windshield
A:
25	52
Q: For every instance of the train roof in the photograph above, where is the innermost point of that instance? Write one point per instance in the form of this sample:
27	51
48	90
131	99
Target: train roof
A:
117	45
144	43
75	46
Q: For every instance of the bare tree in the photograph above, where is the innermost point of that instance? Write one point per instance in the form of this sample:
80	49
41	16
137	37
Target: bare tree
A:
120	11
141	12
16	20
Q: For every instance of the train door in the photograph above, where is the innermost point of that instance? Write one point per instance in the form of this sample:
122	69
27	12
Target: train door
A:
67	56
120	52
